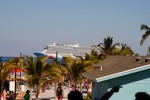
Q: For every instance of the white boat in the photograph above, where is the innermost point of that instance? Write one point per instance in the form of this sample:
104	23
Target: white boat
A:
60	50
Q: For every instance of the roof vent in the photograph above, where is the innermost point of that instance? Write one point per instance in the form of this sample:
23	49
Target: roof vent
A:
138	58
101	68
96	67
147	59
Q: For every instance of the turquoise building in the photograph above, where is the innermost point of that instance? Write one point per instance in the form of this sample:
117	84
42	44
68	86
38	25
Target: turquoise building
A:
132	73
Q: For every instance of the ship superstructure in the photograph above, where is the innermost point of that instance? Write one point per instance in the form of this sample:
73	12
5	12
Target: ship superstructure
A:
60	50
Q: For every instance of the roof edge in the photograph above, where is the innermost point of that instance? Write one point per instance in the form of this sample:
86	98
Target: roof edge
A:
134	70
89	77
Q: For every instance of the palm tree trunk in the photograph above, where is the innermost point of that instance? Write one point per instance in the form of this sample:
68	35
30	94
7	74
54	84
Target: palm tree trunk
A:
75	85
36	96
1	86
30	93
37	93
80	86
55	87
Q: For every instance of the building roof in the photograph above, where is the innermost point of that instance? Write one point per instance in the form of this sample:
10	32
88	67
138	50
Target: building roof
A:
115	66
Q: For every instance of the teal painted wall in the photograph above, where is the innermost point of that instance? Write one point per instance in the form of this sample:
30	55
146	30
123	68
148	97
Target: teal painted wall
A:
98	89
128	91
133	83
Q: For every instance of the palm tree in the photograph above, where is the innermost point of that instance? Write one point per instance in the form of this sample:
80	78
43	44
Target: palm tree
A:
93	57
6	68
4	72
146	34
148	50
75	68
39	73
61	71
125	50
108	46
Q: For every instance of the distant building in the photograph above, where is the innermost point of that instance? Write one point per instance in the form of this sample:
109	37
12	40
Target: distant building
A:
132	73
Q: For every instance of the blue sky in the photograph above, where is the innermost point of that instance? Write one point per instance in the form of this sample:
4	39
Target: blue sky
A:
29	25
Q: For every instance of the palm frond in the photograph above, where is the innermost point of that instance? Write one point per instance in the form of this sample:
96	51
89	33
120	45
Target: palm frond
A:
112	48
144	37
145	27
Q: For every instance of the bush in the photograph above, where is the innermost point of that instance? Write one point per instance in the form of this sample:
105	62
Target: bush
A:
88	97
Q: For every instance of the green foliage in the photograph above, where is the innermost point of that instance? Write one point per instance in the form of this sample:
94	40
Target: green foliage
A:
93	57
108	47
75	68
126	52
39	73
148	50
146	34
108	42
116	51
88	97
7	67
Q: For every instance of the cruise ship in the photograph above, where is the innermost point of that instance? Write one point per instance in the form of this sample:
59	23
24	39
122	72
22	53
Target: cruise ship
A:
56	50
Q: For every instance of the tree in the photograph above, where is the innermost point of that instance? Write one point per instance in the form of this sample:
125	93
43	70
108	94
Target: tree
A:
6	68
39	73
125	50
148	50
16	64
146	34
93	57
75	68
108	46
4	72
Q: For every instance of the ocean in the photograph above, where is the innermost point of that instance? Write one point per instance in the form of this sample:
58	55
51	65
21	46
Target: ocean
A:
4	59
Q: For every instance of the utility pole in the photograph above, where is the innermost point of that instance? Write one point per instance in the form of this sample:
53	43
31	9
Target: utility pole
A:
15	86
20	63
57	56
